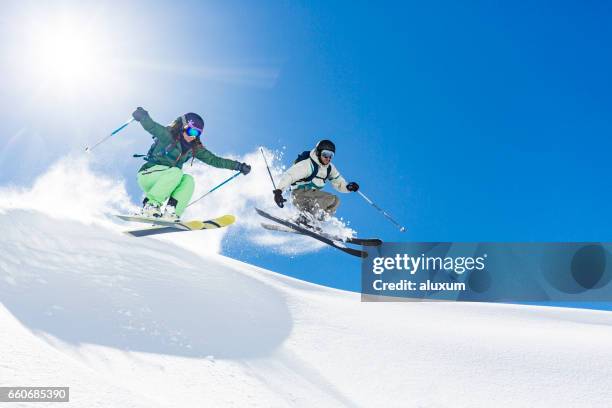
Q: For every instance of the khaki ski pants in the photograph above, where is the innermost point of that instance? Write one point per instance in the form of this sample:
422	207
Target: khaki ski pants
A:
314	201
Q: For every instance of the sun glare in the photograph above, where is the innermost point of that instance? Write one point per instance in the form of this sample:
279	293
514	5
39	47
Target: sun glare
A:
67	53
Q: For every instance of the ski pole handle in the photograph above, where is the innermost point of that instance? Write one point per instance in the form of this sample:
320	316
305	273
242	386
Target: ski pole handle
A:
267	167
218	186
401	228
114	132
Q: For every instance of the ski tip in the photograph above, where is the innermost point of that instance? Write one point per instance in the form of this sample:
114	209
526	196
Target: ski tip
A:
212	223
227	219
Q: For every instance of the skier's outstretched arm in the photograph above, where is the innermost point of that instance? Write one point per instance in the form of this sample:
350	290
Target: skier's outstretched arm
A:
158	131
294	173
340	184
337	181
209	158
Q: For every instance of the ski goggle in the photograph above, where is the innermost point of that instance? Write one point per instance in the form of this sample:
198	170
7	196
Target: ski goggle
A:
328	154
192	131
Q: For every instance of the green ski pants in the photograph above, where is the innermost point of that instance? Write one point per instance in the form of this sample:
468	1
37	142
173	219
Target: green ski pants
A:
162	182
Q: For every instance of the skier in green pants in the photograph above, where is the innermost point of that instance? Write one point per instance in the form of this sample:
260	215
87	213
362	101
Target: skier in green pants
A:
161	177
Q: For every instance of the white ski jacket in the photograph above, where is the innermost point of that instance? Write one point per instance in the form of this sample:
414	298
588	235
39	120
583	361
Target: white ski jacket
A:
304	169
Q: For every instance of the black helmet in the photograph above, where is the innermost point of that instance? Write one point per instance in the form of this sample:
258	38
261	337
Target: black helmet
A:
325	145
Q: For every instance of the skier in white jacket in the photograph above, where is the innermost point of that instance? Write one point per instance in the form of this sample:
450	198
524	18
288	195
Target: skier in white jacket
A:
307	177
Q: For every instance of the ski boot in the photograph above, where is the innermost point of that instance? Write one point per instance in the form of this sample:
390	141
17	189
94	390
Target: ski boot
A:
150	209
170	211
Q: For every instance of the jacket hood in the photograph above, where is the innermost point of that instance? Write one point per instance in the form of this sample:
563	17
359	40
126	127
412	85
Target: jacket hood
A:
313	156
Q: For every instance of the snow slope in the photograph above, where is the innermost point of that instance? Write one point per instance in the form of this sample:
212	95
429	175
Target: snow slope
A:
130	322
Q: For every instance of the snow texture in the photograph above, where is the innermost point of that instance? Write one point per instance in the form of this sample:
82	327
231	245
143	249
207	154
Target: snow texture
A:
166	322
130	322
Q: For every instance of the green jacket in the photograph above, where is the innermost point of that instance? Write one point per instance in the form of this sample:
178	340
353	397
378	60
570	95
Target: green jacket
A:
167	151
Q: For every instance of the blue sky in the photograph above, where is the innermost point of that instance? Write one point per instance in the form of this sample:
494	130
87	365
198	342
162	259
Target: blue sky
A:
478	121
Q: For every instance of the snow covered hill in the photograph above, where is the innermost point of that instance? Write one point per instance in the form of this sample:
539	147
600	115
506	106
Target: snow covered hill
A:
130	322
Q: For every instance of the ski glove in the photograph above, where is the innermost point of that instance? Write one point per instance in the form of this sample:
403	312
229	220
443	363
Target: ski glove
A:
352	186
139	114
278	198
243	168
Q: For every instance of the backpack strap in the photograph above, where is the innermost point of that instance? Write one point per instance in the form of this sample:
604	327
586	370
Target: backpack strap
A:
149	157
315	172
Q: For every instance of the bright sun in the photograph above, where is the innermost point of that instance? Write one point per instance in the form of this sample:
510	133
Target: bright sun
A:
67	53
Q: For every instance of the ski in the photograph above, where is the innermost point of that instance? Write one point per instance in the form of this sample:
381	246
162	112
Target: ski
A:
153	221
312	234
193	225
350	240
365	241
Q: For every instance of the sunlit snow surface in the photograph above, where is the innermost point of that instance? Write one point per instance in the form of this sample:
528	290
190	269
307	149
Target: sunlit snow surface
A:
144	323
167	322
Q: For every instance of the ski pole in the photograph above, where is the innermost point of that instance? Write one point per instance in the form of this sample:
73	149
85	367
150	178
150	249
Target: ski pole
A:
226	181
114	132
401	228
268	167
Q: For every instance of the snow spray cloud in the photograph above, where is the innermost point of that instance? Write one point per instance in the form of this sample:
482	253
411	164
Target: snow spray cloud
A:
72	189
69	189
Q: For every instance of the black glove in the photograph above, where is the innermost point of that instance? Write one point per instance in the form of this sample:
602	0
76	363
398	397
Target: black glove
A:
139	114
352	186
278	198
243	168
